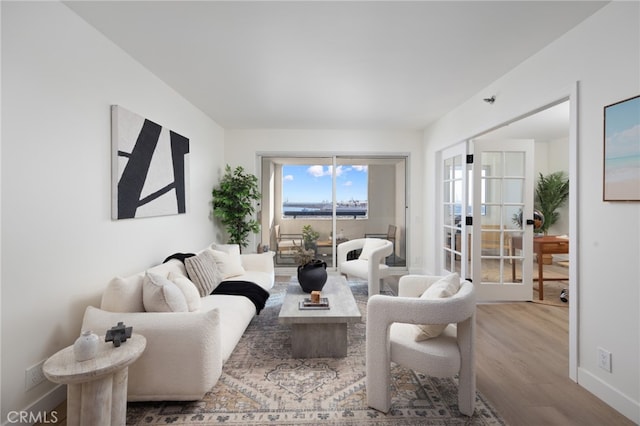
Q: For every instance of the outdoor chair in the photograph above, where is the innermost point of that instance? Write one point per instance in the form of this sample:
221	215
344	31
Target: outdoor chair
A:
286	244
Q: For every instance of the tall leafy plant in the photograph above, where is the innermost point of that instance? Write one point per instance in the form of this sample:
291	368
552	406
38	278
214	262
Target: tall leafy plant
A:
233	204
552	191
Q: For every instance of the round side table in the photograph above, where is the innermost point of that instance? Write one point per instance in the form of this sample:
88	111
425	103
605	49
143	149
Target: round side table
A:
96	388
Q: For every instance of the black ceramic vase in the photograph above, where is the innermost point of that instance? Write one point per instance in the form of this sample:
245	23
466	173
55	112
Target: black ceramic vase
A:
312	276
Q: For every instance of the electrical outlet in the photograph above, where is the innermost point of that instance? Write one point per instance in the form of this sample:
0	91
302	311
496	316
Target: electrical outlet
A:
33	376
604	359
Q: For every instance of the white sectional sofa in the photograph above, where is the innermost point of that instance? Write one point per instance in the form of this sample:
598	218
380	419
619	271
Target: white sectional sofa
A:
185	350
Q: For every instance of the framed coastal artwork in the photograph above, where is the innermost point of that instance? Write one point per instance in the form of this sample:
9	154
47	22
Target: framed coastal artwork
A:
622	151
149	167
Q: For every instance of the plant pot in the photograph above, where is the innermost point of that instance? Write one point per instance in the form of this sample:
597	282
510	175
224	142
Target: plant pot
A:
312	276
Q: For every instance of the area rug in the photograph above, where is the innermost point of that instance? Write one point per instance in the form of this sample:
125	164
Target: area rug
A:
261	384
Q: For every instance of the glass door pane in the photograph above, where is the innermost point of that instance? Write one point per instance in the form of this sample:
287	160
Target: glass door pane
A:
454	247
299	193
386	216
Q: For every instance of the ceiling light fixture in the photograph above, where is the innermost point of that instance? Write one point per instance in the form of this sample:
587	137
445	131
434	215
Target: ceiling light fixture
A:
490	100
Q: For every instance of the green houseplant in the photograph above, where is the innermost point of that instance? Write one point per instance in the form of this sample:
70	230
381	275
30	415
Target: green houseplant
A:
233	204
309	236
552	191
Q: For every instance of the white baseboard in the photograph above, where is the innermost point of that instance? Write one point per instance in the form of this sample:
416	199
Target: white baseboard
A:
46	404
619	401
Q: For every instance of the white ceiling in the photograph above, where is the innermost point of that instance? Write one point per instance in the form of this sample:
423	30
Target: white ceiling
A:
331	65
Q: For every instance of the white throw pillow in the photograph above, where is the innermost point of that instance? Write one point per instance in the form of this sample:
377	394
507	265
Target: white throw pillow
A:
189	290
370	244
123	295
443	288
229	265
232	249
203	272
159	294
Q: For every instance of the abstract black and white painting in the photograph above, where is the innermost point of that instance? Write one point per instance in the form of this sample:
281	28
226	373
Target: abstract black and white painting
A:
150	167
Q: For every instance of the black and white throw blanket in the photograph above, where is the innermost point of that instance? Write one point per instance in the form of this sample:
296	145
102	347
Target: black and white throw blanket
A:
252	291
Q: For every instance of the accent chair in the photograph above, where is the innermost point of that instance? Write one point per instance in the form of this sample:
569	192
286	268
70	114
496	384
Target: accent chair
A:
391	236
395	332
369	265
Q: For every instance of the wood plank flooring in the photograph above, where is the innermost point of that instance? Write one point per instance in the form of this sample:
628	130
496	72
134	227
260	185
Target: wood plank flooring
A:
522	364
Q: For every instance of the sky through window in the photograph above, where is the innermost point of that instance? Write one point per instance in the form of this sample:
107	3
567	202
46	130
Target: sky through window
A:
313	183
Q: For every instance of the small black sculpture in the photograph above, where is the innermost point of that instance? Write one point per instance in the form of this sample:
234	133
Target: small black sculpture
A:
118	334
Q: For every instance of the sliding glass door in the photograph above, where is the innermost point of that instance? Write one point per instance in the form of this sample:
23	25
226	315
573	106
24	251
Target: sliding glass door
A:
318	202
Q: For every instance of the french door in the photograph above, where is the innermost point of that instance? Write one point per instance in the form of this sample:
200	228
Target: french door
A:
502	230
487	201
454	207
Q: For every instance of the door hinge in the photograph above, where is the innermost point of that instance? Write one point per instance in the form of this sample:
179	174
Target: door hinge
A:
469	158
468	220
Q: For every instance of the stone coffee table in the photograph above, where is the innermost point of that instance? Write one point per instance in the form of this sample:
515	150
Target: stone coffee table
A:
320	333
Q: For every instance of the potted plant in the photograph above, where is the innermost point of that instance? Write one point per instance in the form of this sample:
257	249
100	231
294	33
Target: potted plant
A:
312	273
233	204
302	255
538	220
552	191
309	236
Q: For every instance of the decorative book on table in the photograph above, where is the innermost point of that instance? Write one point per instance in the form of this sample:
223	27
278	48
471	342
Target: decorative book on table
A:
308	304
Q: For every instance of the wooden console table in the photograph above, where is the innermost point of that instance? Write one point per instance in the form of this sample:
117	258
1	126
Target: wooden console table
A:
324	244
548	244
96	388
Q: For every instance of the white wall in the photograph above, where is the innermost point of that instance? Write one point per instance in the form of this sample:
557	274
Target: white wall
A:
553	156
59	245
603	54
242	146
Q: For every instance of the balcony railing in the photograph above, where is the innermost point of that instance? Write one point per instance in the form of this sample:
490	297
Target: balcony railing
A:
324	213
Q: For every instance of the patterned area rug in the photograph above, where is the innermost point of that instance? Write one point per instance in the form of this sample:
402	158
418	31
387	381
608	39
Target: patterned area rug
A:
261	384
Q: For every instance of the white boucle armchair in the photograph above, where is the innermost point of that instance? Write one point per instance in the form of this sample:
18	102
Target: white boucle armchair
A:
391	337
369	265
